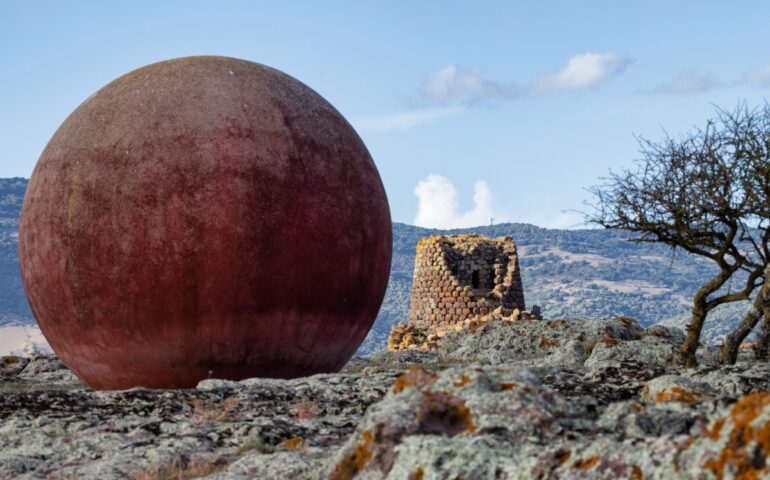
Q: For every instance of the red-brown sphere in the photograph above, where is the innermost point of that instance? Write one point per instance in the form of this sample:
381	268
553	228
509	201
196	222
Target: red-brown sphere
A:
204	217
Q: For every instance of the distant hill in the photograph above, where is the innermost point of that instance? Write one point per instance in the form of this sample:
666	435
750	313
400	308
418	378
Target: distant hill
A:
13	304
574	274
569	273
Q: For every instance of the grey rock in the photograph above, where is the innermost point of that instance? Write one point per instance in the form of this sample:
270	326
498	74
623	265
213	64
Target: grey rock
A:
677	388
11	365
535	342
584	408
672	334
157	433
733	380
649	350
43	364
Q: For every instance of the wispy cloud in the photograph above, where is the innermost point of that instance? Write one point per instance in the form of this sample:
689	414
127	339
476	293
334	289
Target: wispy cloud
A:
583	71
688	82
402	120
438	204
454	88
457	84
759	77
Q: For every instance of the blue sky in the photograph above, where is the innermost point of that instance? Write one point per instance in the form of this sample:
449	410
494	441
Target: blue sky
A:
471	110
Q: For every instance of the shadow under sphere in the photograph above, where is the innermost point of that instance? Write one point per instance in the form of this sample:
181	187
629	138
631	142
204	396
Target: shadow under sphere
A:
204	217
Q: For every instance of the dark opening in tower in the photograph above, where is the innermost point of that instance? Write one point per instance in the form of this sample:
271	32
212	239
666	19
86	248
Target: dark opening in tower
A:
475	279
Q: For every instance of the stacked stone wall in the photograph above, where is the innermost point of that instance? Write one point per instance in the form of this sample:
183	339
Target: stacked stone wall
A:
461	277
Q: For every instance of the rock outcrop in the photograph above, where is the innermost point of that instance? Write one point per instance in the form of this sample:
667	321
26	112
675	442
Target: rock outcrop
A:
588	399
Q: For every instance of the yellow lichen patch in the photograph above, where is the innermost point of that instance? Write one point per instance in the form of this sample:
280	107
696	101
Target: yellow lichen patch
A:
548	342
678	394
463	381
445	414
744	455
415	377
354	463
295	443
586	463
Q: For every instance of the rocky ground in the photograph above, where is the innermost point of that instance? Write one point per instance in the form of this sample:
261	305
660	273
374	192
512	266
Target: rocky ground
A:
534	399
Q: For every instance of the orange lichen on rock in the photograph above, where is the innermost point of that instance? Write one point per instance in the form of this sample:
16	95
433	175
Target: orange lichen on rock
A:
507	386
417	475
295	443
627	321
636	473
586	464
677	394
609	341
415	377
548	342
463	381
562	456
744	455
716	429
354	463
444	413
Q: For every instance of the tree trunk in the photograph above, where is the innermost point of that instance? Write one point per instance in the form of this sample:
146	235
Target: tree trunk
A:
690	345
733	340
762	347
700	308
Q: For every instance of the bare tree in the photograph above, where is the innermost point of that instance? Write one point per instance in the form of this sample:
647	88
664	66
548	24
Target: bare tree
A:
700	193
750	132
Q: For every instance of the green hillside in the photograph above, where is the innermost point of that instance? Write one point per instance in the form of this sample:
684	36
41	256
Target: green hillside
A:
569	273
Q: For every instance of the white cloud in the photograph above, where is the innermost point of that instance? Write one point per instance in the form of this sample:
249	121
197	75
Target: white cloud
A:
688	82
454	83
403	120
438	206
583	71
759	77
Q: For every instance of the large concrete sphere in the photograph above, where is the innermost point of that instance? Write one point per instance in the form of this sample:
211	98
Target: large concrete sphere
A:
204	217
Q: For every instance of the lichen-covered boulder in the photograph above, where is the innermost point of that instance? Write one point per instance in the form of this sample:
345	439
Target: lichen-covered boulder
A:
458	423
649	350
536	342
675	388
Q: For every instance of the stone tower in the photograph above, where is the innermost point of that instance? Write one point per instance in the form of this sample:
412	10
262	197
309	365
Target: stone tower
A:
457	277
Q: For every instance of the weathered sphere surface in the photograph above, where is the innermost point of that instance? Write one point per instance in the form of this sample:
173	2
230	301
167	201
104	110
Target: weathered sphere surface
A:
204	217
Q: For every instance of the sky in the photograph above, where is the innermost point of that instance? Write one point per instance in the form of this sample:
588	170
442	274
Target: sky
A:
473	111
